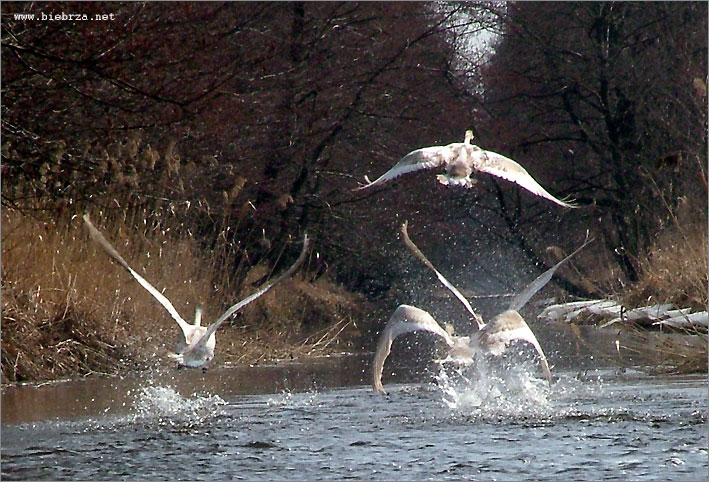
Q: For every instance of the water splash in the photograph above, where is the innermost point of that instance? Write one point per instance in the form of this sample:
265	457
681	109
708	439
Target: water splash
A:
152	406
166	404
288	399
482	390
283	399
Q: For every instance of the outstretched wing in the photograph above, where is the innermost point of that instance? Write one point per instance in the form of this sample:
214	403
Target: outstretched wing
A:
521	299
505	328
111	251
234	308
405	319
425	158
504	167
417	252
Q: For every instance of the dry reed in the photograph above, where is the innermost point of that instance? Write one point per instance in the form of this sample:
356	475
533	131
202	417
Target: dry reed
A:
674	270
68	310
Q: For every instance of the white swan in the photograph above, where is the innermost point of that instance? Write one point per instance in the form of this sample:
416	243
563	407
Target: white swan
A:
461	160
492	338
195	343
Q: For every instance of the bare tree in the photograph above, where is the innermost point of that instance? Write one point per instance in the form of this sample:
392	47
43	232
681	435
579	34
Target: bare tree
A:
250	122
607	99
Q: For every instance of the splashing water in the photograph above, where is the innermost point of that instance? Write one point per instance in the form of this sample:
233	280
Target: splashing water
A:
165	403
288	399
486	391
590	425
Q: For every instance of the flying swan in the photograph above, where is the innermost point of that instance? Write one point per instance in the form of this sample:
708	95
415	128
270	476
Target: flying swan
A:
492	338
195	343
461	160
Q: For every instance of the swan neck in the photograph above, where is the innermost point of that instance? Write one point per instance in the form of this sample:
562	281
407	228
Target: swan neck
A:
198	316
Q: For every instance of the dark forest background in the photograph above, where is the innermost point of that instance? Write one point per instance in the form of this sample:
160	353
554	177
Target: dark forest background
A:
243	125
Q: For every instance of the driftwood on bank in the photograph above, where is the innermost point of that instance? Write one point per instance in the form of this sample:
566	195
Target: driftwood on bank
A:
604	313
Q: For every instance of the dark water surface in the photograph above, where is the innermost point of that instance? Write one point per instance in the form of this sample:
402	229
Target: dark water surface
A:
320	422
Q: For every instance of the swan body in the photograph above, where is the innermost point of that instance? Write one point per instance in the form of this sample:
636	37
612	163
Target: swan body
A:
195	343
188	337
461	160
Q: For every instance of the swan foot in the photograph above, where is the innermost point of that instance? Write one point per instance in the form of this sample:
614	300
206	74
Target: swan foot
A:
465	182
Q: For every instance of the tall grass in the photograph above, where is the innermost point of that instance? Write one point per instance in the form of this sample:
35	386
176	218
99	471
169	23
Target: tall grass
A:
67	309
674	270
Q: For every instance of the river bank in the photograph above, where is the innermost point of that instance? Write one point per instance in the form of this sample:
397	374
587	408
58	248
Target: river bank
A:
69	312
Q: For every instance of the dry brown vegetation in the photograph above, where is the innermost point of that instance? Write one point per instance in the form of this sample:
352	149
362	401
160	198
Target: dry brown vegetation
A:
68	310
668	353
674	269
204	140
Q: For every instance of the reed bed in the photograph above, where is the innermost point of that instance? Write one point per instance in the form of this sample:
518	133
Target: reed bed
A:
68	310
674	270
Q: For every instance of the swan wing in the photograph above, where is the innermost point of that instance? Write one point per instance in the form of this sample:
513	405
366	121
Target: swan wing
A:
261	291
405	319
425	158
521	299
504	167
417	252
99	239
505	328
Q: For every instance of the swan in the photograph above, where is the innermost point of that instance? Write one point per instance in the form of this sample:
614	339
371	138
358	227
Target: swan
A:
195	343
461	160
491	338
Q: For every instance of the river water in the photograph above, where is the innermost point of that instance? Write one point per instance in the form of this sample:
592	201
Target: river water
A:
318	420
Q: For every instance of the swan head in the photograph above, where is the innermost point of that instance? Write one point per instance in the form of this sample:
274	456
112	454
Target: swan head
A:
468	136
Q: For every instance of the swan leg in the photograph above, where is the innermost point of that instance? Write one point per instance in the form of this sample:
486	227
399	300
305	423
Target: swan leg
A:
465	182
